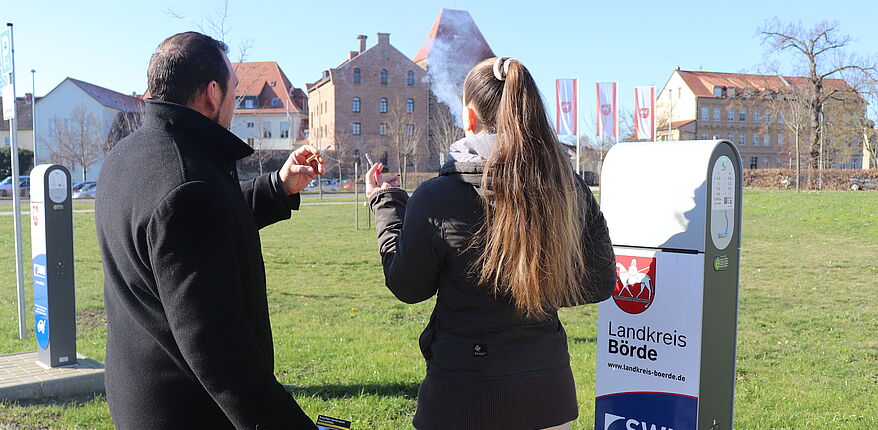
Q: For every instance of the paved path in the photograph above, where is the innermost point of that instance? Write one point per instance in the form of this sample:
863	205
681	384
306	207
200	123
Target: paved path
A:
21	378
81	211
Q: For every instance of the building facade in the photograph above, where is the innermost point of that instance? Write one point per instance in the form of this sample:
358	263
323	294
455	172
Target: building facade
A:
744	109
375	102
74	108
270	113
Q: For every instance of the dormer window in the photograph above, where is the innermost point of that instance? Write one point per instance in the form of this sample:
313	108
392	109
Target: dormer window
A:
719	91
249	104
275	101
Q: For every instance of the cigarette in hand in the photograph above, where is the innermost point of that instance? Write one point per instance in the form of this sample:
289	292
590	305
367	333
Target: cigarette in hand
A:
314	156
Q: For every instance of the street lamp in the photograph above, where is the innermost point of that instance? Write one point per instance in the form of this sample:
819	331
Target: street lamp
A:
33	81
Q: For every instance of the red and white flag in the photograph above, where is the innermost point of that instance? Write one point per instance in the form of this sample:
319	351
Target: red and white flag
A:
566	106
608	111
644	113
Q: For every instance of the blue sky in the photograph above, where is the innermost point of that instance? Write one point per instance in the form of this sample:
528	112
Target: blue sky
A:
108	43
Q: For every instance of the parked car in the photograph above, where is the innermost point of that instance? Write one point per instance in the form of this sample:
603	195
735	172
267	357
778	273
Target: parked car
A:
348	185
78	186
861	183
23	183
325	184
86	192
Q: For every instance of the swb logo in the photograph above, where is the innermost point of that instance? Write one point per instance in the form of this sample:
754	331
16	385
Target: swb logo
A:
630	424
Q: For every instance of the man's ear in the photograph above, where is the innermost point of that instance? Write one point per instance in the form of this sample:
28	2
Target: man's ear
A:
214	96
471	116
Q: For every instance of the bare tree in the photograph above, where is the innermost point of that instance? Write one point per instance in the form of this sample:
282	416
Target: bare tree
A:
406	131
820	55
123	124
77	140
443	129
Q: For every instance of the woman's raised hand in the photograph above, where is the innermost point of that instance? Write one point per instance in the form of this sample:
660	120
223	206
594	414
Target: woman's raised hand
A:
376	181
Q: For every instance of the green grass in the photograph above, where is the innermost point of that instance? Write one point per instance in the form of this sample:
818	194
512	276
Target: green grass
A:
807	344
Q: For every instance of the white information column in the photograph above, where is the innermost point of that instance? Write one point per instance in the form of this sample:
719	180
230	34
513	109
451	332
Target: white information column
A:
666	338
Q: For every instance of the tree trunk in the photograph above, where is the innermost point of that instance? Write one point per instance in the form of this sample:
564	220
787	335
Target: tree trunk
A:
404	169
798	164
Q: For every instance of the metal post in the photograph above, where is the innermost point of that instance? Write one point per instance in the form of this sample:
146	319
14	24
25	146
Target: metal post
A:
356	195
33	83
16	196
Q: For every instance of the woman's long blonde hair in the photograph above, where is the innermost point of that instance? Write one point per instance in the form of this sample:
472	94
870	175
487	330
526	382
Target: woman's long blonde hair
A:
532	235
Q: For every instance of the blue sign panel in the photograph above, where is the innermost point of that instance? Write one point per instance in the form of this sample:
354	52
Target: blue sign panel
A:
645	410
41	302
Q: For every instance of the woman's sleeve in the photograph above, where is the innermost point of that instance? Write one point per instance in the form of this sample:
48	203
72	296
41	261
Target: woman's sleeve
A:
410	243
600	260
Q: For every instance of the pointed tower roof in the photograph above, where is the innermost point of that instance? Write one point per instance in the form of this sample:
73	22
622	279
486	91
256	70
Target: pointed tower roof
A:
454	35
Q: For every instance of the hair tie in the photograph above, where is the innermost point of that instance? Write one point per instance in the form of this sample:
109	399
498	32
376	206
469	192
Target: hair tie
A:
501	67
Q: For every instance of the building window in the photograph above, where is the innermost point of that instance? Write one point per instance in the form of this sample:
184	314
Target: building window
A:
250	141
266	130
705	114
248	103
731	137
754	162
755	139
357	75
765	162
703	137
382	129
741	138
716	114
383	76
251	124
730	115
410	129
766	140
410	78
756	115
717	91
355	129
284	130
355	104
382	105
409	106
275	101
779	140
742	115
780	118
767	116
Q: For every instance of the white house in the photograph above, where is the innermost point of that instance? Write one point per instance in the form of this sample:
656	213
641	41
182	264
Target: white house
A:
55	111
271	114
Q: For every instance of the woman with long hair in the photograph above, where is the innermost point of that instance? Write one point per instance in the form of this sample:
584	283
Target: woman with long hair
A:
505	236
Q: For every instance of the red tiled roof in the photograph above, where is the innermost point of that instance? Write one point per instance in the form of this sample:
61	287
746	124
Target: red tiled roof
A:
110	98
256	79
678	124
702	83
456	30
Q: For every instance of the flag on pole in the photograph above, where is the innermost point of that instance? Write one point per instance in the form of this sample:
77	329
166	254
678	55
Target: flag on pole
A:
608	112
644	113
566	106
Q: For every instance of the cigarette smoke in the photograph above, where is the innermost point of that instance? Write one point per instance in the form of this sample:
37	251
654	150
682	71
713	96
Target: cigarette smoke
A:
458	46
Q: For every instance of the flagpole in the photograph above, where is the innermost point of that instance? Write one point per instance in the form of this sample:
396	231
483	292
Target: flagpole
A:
576	128
16	192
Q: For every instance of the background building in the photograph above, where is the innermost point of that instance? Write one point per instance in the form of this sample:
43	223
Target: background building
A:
270	113
24	115
754	111
452	47
375	101
78	123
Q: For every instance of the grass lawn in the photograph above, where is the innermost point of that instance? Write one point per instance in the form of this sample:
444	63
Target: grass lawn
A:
807	337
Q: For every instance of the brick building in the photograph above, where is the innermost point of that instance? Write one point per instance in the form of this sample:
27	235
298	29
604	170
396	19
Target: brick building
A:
375	101
743	109
270	114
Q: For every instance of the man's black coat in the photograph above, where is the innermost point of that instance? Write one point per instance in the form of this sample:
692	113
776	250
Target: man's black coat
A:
188	335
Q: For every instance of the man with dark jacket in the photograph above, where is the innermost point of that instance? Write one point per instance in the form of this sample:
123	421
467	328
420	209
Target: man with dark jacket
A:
188	335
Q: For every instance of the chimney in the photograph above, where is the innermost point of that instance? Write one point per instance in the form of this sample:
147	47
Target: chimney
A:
362	38
383	38
325	74
352	54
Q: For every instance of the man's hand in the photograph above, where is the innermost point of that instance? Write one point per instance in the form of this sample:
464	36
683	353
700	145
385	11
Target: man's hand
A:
375	180
298	172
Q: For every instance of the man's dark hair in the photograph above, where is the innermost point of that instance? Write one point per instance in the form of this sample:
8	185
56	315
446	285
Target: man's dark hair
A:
183	65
